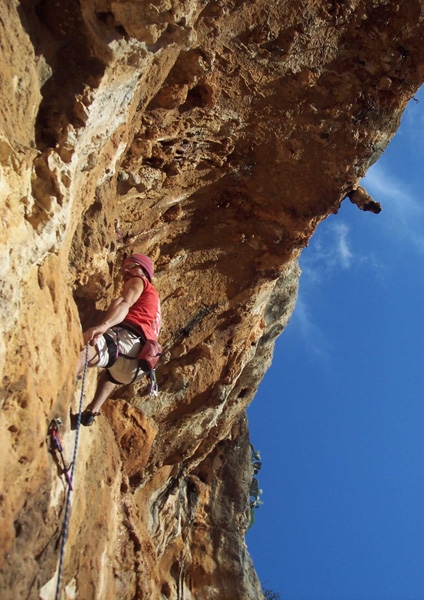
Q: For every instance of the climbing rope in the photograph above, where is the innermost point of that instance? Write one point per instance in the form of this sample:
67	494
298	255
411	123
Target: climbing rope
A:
70	480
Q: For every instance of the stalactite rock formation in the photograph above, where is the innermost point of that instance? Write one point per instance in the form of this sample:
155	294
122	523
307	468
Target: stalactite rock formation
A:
213	136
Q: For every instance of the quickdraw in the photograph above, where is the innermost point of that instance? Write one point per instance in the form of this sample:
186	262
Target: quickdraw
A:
56	445
153	388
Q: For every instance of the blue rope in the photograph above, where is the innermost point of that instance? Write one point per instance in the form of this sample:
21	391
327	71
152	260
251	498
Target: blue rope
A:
68	497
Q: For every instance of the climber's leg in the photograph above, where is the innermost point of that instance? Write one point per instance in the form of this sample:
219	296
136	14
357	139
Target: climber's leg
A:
104	390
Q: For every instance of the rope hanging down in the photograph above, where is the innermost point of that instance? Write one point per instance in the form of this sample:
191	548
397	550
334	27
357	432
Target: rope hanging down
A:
70	479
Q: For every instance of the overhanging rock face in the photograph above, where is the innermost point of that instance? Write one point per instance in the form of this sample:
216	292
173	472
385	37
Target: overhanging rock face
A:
214	137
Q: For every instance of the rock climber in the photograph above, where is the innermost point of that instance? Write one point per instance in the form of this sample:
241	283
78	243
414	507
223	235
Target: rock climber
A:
114	344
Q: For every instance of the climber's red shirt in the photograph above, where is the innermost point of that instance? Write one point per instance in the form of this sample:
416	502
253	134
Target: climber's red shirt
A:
145	312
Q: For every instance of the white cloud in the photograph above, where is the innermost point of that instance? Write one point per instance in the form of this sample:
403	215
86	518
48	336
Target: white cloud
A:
332	251
328	251
389	189
313	337
403	212
343	254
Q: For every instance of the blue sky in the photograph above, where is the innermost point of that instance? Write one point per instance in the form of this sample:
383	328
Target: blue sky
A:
339	417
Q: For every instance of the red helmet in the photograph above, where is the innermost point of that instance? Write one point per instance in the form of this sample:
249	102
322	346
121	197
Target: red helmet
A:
144	262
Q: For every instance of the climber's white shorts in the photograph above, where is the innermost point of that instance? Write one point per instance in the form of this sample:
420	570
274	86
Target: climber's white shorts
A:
114	343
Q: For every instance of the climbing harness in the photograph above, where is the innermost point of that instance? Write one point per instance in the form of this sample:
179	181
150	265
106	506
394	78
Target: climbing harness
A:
117	330
70	477
148	357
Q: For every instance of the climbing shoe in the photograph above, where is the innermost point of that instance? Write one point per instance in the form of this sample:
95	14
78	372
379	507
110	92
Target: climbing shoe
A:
87	417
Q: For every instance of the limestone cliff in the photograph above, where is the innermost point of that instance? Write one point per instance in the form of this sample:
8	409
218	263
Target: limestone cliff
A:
213	136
